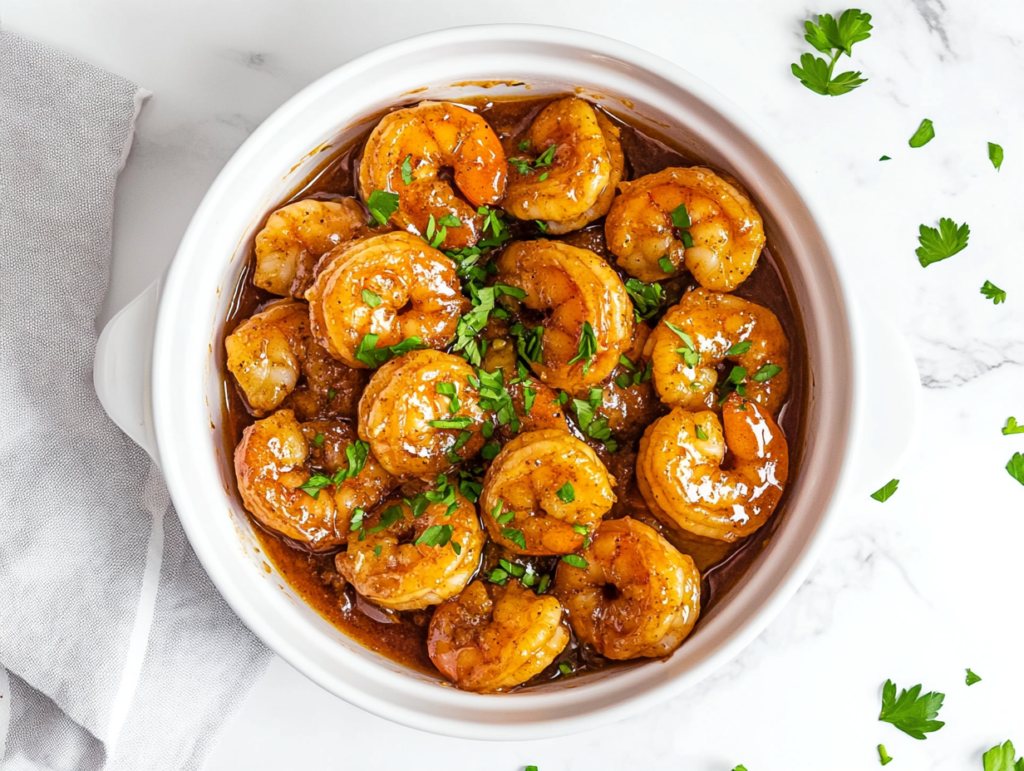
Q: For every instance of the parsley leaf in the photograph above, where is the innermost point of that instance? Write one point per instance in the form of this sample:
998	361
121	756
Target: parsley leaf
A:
458	421
382	205
943	243
318	440
529	396
377	550
766	373
546	157
1001	758
646	298
452	392
529	342
925	133
450	221
972	678
885	158
390	516
883	756
1011	427
574	560
689	352
993	293
515	536
371	298
435	535
912	713
372	356
740	348
666	265
885	492
587	347
995	154
680	217
1015	467
833	38
566	493
407	176
700	433
356	455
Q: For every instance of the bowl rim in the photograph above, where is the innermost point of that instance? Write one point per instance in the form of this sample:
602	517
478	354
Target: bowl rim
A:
176	286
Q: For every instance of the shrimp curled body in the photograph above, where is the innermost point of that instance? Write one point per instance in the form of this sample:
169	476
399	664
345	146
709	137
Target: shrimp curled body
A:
573	288
573	189
391	565
556	486
721	327
410	424
726	229
265	351
278	455
637	596
413	291
686	484
406	153
492	638
296	236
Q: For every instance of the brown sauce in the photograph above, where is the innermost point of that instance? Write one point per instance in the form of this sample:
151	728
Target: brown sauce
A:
401	637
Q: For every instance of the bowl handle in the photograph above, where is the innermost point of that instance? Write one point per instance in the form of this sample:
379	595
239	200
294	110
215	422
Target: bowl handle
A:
123	368
889	413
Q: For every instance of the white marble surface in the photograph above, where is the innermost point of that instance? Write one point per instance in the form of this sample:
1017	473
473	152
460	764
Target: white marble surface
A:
916	589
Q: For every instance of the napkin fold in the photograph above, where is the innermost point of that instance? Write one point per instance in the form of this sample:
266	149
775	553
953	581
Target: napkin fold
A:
119	651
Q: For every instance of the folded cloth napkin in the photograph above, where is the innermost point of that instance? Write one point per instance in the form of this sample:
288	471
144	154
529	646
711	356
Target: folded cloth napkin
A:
119	652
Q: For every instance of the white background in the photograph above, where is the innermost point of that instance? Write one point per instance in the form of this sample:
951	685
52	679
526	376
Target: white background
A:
916	589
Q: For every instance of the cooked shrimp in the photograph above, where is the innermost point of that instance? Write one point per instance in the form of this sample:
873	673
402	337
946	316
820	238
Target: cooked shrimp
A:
265	354
720	327
393	286
414	428
279	456
725	227
588	316
561	185
688	483
297	235
544	492
604	200
405	562
406	153
492	638
637	596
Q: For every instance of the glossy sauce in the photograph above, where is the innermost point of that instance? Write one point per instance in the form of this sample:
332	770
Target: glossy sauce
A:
402	636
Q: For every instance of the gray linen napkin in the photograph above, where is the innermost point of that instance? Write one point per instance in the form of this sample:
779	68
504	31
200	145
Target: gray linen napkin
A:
119	651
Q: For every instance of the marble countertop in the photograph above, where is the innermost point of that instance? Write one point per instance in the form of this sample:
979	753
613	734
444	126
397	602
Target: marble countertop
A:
916	589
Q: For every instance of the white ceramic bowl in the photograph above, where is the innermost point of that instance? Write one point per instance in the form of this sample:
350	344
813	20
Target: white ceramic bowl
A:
173	408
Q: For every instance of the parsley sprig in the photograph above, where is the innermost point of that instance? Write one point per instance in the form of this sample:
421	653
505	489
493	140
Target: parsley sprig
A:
382	205
647	298
470	326
833	38
941	244
993	293
911	712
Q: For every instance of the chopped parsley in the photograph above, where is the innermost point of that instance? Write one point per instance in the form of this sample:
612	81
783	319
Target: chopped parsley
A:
331	393
574	560
680	217
766	373
407	176
542	226
382	205
883	756
700	433
734	382
1011	427
435	535
590	424
587	347
318	440
529	397
666	265
885	158
371	298
911	712
434	236
993	293
995	154
494	397
515	536
390	516
1015	467
453	453
490	451
529	342
356	523
546	157
647	298
524	145
739	348
972	678
925	133
450	221
566	493
377	550
452	392
885	492
565	668
1001	758
458	422
356	455
943	243
689	350
472	324
372	356
832	37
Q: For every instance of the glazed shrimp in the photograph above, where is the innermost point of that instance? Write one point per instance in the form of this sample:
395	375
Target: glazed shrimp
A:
409	148
393	286
726	229
688	483
544	491
579	296
721	327
410	422
297	235
637	596
563	185
279	456
492	638
265	351
404	562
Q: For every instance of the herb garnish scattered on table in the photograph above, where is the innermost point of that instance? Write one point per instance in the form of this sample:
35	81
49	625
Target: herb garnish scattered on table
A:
911	712
943	243
833	38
